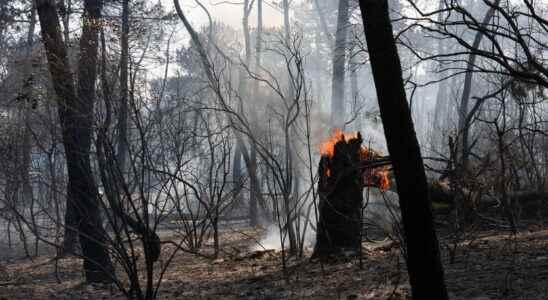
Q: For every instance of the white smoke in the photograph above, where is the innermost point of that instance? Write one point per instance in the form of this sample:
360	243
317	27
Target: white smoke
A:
382	210
272	238
373	136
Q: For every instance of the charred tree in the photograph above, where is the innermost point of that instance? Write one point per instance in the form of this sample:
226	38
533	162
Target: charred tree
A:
345	168
340	190
75	114
424	266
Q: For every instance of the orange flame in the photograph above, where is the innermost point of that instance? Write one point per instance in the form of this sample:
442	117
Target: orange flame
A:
377	177
384	181
327	147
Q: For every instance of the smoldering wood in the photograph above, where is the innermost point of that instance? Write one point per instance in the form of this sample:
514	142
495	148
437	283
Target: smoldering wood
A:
340	189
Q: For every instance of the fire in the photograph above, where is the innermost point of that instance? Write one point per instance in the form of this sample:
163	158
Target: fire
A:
377	177
327	147
384	181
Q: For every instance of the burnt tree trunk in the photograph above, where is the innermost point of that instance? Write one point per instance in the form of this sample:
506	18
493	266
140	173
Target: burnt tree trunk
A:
424	266
340	189
75	114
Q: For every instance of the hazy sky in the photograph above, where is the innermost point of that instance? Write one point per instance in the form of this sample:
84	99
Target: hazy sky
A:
231	12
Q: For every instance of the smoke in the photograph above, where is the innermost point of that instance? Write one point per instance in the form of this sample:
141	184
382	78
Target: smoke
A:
373	135
272	239
382	211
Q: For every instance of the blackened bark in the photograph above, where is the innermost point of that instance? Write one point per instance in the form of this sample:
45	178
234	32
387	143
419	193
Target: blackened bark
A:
340	190
424	266
75	114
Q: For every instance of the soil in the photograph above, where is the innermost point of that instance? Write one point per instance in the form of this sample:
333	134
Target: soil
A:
486	265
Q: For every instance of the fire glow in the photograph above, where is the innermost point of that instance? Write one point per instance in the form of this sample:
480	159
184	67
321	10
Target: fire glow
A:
372	177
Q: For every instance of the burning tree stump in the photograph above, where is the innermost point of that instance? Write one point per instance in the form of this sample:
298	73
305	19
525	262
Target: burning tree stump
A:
345	168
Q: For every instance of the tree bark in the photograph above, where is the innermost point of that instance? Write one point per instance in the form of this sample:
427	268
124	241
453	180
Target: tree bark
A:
424	266
340	189
75	114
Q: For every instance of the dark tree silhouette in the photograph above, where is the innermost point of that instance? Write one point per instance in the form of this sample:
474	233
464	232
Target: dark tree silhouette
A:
340	190
423	258
75	114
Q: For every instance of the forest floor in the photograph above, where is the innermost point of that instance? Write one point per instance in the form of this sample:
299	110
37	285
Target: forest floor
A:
487	265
